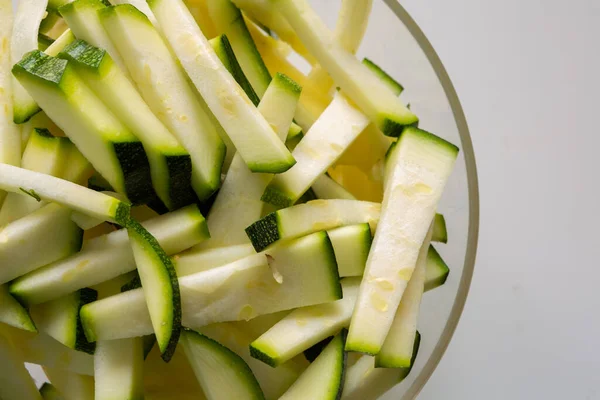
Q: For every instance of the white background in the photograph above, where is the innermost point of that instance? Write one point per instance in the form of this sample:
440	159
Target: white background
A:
527	74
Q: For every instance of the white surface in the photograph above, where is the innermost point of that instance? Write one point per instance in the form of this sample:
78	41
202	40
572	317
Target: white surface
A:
527	74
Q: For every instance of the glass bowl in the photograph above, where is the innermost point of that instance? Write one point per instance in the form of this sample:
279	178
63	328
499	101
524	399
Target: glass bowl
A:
395	42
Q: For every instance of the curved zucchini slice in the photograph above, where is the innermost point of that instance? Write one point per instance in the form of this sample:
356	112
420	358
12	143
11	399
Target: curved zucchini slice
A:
150	61
310	217
256	285
253	137
119	369
160	286
26	245
238	203
59	319
437	270
14	314
28	16
221	373
15	381
305	327
324	378
332	133
113	151
422	167
371	95
50	392
108	256
170	164
44	153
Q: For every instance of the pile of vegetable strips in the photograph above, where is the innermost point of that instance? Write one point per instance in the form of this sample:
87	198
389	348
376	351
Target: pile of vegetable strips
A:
186	215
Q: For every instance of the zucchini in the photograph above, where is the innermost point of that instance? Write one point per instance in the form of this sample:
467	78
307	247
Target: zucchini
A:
351	244
351	23
72	386
440	232
237	336
238	203
305	327
150	61
54	5
391	83
338	126
28	16
221	373
372	96
59	319
294	136
310	217
118	369
14	314
198	260
397	349
326	188
82	18
44	153
170	164
108	256
113	151
224	51
253	137
423	164
48	188
324	378
436	271
10	150
240	290
25	244
366	382
49	392
160	286
229	21
60	43
15	381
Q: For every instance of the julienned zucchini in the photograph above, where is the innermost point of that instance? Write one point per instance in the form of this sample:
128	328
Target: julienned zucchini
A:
119	369
82	18
332	133
409	196
437	270
228	20
324	378
45	187
170	163
238	203
150	60
160	286
371	95
397	348
221	373
14	314
113	151
59	319
391	83
44	153
366	382
310	217
26	245
351	244
256	285
253	137
326	188
305	327
108	256
198	260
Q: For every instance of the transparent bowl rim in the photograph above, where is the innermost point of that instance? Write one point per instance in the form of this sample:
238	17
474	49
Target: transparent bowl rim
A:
473	190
